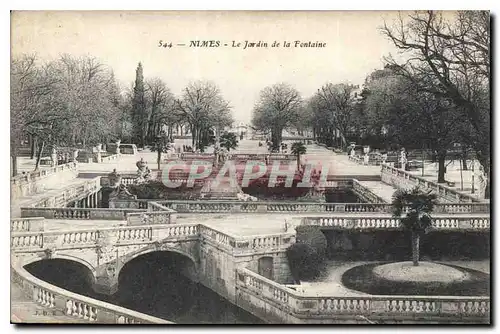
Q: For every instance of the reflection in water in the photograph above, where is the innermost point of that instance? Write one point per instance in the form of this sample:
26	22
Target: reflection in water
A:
150	284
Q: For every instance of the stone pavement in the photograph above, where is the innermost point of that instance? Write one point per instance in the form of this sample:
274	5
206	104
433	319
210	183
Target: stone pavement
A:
338	164
379	188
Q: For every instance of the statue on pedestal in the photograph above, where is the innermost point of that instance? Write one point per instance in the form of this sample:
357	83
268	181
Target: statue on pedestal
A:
118	146
143	172
53	157
114	179
402	159
121	193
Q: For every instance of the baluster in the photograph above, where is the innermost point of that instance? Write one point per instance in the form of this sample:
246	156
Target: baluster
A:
69	307
85	311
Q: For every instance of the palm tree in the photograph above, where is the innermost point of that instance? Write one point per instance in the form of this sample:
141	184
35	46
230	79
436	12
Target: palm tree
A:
229	141
418	206
298	149
161	145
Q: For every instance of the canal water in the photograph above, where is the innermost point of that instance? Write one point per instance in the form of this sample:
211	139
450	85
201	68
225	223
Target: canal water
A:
151	285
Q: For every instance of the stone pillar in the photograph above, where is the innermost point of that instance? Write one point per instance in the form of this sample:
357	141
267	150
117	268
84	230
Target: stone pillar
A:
98	154
118	147
53	157
75	155
106	284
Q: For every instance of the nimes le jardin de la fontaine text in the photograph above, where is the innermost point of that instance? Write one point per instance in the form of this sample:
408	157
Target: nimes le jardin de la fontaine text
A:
243	45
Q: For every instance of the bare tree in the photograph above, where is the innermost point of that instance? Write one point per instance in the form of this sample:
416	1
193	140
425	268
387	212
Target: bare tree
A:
201	106
338	101
278	108
160	107
450	59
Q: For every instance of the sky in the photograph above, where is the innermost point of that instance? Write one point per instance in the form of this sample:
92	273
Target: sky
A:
354	47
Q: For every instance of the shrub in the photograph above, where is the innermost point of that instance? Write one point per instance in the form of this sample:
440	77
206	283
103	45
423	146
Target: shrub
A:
307	255
312	236
305	263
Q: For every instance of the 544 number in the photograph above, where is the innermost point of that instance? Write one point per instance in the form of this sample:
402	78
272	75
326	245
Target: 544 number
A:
163	44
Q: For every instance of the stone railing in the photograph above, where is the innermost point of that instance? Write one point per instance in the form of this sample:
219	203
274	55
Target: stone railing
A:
129	203
374	160
214	206
26	224
480	222
236	245
277	294
38	181
405	180
150	218
217	237
70	304
67	195
365	193
239	156
196	156
80	213
270	242
111	157
38	174
92	237
349	308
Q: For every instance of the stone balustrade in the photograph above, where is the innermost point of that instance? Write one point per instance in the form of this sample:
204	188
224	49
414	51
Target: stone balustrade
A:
239	156
92	237
67	195
150	218
37	182
64	302
80	213
130	204
279	295
31	224
214	206
216	236
109	158
41	173
267	293
271	242
406	180
479	222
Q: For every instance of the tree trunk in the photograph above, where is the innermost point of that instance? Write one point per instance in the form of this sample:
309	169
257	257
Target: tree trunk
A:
33	147
415	248
13	155
441	166
159	157
485	163
39	155
464	164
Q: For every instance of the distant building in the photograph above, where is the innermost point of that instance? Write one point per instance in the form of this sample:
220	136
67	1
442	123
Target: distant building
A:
242	130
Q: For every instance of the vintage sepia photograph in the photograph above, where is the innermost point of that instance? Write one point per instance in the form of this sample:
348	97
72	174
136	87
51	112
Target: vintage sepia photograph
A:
250	167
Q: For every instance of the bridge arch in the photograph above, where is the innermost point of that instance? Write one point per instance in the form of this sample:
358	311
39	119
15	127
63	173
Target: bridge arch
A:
191	266
67	272
81	261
